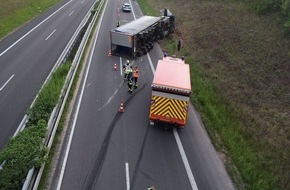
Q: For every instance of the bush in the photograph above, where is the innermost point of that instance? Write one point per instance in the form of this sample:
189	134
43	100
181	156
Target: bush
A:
21	154
26	150
48	96
265	6
286	12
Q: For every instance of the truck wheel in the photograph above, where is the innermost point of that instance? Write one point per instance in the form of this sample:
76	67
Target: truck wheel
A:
148	47
144	50
139	53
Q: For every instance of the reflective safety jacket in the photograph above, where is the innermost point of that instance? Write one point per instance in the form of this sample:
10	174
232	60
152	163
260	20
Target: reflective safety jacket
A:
136	73
128	69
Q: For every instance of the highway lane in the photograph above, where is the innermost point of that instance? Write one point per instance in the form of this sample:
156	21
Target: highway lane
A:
111	150
27	57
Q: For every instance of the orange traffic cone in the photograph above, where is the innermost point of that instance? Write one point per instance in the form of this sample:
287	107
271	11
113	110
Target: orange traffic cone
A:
115	67
122	107
110	53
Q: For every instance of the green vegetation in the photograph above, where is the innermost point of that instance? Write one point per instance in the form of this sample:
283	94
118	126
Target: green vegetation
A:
14	13
49	96
240	80
282	7
22	153
26	150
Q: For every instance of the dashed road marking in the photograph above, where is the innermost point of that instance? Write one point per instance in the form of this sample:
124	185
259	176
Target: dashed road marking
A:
127	176
71	13
50	34
6	82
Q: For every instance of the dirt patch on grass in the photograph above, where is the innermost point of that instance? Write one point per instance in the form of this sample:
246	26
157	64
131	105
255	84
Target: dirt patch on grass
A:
247	59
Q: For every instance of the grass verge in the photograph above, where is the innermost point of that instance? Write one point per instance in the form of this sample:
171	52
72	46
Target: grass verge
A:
14	13
240	82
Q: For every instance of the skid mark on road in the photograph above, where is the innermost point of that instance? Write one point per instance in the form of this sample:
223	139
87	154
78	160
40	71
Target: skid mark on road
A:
137	168
93	175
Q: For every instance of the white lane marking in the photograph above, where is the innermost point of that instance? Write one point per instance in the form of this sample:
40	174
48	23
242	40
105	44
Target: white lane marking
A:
151	64
82	2
50	34
6	82
121	67
132	10
185	161
179	145
34	28
71	13
127	176
78	106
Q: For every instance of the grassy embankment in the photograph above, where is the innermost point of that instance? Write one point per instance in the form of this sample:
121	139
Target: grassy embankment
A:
240	81
13	13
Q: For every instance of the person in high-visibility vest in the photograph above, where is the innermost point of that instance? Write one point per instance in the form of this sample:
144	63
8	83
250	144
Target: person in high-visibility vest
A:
130	85
126	69
130	79
135	76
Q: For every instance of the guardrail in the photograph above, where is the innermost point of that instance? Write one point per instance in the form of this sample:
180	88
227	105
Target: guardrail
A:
34	175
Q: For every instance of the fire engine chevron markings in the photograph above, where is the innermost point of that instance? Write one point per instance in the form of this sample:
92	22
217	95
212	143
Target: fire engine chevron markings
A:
169	107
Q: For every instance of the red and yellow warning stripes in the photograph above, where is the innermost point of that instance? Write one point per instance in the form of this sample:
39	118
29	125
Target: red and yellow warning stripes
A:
169	108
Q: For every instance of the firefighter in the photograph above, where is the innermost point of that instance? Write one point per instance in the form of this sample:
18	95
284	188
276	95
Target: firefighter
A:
130	85
135	76
130	73
126	69
130	79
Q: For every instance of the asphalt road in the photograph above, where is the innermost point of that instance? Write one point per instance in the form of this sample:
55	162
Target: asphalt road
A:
106	149
28	55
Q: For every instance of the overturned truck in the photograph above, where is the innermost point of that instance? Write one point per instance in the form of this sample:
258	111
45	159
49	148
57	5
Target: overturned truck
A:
136	38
